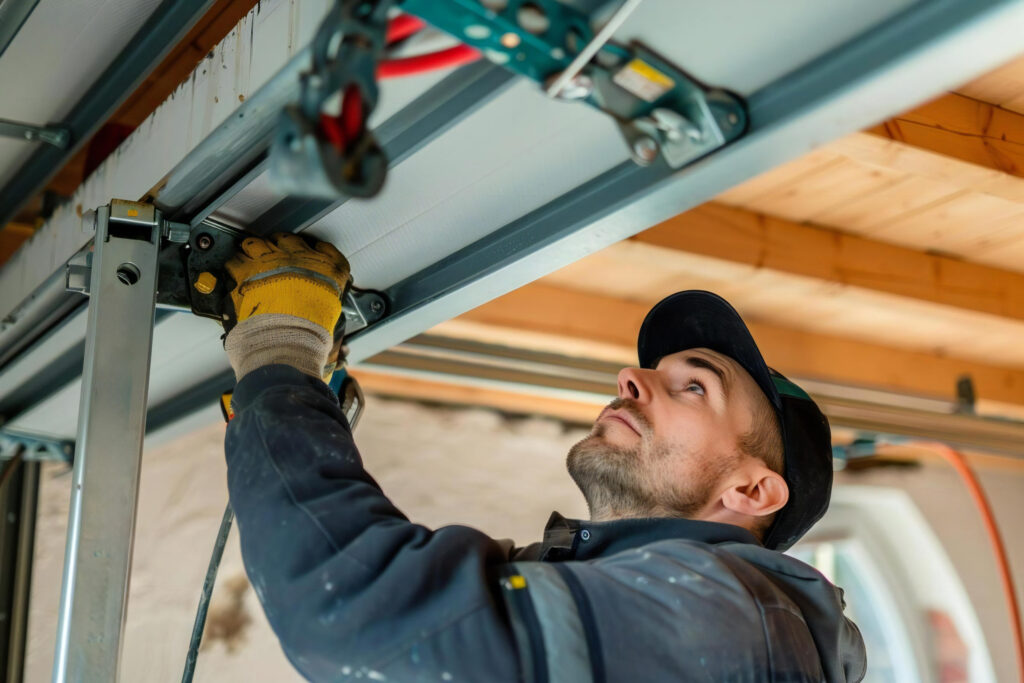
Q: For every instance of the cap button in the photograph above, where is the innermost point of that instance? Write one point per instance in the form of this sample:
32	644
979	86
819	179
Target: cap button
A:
585	535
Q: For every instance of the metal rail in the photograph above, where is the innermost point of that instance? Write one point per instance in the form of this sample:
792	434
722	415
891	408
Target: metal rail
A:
868	411
161	32
889	66
13	15
18	499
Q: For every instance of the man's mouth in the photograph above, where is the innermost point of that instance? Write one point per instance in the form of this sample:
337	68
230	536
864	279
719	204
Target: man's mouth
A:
621	416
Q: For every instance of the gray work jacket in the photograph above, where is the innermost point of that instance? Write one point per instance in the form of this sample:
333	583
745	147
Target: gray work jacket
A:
355	591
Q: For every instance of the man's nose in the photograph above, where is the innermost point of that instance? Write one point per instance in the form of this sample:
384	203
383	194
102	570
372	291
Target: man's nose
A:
635	384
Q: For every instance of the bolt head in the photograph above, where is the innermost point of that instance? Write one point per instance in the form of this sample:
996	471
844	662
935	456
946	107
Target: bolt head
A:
205	283
204	242
645	149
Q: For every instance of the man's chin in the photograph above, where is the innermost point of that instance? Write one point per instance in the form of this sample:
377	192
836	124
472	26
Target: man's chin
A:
595	459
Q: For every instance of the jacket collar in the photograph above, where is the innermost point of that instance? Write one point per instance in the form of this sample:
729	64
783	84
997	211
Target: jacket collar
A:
574	539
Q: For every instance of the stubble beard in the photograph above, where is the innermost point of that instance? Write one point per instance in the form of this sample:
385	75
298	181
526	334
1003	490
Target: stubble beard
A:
620	482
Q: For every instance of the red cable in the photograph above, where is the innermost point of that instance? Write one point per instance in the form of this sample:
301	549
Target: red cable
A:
339	130
352	112
331	127
959	463
403	26
418	64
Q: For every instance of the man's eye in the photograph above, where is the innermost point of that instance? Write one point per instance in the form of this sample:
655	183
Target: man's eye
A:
695	387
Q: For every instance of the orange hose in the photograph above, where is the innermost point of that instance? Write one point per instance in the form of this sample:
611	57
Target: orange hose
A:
959	463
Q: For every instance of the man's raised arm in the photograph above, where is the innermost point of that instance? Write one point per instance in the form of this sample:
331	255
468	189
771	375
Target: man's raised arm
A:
350	586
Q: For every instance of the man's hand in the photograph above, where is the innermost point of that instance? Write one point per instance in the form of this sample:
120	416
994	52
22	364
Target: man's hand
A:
287	301
285	275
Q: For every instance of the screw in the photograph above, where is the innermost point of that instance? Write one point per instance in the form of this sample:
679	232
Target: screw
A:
645	150
376	306
204	242
733	119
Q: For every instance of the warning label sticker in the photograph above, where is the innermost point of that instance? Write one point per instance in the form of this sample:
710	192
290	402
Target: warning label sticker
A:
643	80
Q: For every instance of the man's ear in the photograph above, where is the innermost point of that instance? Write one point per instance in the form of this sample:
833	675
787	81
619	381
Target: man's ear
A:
761	492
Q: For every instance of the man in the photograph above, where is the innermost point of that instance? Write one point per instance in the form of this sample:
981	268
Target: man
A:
704	467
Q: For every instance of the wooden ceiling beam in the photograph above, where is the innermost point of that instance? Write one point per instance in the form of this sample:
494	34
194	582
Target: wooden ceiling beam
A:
954	139
963	128
540	309
737	235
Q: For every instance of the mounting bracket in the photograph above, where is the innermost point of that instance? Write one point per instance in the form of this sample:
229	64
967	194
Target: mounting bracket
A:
35	447
660	110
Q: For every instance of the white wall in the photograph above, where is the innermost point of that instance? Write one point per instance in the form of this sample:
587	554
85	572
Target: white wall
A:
440	466
954	522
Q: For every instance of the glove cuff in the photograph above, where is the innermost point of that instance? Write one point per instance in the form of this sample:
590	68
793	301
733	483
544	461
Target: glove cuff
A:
278	339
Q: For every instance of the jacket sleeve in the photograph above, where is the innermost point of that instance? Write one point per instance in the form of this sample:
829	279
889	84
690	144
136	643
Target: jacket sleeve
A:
350	586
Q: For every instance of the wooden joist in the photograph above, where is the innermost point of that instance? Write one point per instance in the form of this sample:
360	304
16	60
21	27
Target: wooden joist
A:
732	234
963	128
946	177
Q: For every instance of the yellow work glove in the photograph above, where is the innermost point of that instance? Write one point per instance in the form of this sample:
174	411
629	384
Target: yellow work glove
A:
285	275
287	301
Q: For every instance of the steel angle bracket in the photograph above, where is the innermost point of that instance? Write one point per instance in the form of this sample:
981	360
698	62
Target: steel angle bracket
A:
193	278
661	111
34	446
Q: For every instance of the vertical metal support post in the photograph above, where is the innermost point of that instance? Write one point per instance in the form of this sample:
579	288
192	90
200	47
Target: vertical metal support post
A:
111	425
17	535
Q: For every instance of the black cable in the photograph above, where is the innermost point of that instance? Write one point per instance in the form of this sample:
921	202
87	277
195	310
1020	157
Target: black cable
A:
204	598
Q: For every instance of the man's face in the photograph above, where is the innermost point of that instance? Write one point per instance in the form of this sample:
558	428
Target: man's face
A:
664	445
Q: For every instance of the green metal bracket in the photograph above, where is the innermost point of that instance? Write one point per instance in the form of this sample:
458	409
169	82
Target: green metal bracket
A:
660	110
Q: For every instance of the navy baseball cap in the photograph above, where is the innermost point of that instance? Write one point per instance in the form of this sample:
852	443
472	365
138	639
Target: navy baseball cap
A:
698	319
